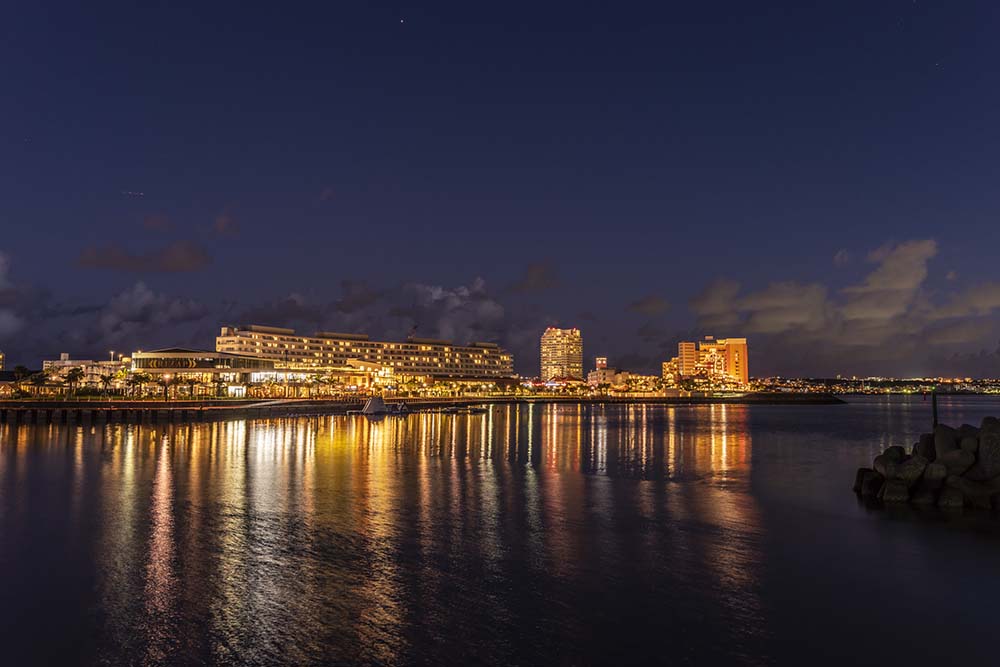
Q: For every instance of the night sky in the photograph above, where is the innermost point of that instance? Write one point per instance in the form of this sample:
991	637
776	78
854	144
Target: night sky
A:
819	177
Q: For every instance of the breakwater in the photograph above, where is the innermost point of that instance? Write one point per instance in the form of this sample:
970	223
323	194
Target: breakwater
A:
213	410
950	468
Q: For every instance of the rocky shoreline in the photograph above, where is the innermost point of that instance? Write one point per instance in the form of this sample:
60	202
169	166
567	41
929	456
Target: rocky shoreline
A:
950	468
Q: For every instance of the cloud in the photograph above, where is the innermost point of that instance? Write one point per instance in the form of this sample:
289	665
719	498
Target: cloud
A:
157	223
140	317
650	306
842	257
978	300
138	309
292	310
225	225
134	318
355	296
983	362
890	289
888	321
537	277
462	314
177	257
716	306
785	306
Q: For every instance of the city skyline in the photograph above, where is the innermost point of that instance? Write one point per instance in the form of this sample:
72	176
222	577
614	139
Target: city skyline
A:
553	180
507	334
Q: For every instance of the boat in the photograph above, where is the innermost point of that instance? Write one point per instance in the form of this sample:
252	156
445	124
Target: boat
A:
375	406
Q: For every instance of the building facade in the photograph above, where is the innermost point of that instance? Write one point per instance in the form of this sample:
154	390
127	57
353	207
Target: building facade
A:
561	354
415	357
607	376
728	357
687	358
95	373
720	360
669	373
205	365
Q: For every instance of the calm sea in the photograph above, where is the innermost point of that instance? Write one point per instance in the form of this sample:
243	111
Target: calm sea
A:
547	534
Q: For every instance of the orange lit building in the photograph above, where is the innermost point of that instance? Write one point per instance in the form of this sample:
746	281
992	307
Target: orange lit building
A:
722	359
687	358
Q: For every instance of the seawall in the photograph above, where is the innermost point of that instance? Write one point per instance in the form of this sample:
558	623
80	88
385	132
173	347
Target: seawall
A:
44	411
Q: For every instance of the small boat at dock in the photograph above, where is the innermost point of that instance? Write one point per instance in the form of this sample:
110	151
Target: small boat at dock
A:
376	406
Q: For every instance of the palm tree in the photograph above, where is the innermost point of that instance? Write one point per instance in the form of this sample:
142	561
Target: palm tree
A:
39	380
132	382
136	380
21	373
191	383
73	378
165	381
220	385
106	381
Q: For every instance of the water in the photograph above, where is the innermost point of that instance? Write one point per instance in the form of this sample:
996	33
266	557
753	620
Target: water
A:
546	535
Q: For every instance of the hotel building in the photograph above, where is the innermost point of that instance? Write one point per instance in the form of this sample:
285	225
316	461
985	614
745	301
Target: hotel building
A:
687	358
561	354
722	359
424	357
731	354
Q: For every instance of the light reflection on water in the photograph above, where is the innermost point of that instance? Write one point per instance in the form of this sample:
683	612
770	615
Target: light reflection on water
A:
552	533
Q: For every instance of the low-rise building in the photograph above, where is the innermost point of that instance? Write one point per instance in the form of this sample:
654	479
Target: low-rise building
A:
95	373
607	376
206	365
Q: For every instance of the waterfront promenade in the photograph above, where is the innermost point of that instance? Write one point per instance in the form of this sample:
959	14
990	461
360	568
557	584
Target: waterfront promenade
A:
63	411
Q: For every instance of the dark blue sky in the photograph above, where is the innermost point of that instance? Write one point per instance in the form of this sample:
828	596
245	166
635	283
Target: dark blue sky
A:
595	164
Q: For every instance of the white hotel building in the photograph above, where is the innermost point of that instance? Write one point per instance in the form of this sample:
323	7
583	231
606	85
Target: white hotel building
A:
415	357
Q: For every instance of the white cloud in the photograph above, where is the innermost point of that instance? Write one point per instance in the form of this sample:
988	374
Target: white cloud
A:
889	319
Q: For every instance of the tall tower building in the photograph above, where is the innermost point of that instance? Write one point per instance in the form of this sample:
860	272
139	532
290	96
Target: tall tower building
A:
1	360
687	358
562	354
